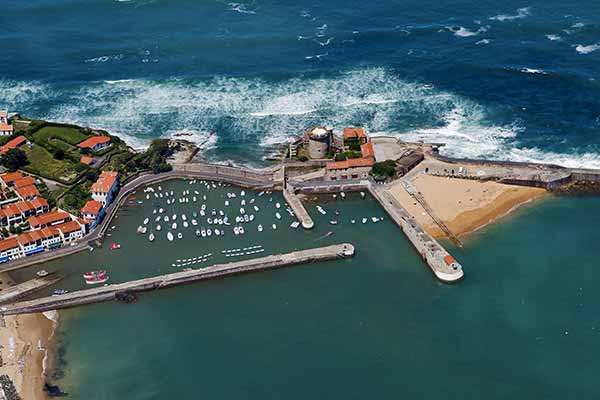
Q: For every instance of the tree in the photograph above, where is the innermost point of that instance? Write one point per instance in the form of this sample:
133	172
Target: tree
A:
59	154
14	159
384	169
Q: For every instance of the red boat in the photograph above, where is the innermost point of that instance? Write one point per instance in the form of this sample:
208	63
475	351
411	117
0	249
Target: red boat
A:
92	274
98	278
115	246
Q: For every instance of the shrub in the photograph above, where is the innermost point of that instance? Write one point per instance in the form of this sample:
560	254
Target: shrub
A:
14	159
303	158
385	169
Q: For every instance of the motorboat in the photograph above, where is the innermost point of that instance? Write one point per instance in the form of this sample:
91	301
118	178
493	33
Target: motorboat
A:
146	221
374	219
333	222
260	228
42	273
194	222
115	246
277	205
242	231
364	220
174	225
185	224
236	230
295	224
179	236
208	232
274	226
96	279
151	237
170	236
158	227
277	215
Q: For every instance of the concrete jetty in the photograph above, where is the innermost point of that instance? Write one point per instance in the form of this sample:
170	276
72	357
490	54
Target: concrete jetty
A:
109	292
298	208
441	263
23	289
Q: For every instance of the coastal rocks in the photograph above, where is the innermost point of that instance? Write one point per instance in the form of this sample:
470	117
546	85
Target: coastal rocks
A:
578	187
8	387
53	390
126	297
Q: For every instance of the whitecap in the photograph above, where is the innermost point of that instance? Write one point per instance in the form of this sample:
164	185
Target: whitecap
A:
553	37
521	13
483	41
533	71
240	8
586	49
465	32
578	25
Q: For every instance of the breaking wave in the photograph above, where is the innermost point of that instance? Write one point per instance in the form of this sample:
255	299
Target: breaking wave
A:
586	49
521	13
224	111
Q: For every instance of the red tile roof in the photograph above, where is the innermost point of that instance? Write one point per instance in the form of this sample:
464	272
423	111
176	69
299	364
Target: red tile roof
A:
448	259
104	182
13	144
350	163
68	227
8	244
93	142
48	218
367	150
351	133
10	177
39	203
86	160
5	127
24	206
27	192
92	207
24	181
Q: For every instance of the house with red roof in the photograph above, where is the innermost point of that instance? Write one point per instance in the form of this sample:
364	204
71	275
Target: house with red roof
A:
17	213
93	211
52	218
13	144
6	128
105	187
9	178
29	192
95	143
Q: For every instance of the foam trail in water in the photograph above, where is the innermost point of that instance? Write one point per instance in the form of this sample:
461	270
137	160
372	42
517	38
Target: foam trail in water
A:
521	13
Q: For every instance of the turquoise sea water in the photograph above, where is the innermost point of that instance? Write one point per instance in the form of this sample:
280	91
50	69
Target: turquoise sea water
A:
521	325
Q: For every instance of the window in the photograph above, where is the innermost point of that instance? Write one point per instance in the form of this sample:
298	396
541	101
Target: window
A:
354	176
334	178
344	177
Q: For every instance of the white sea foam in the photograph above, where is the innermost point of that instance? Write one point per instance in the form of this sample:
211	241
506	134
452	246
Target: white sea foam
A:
553	37
483	41
533	71
521	13
240	8
586	49
578	25
465	32
264	112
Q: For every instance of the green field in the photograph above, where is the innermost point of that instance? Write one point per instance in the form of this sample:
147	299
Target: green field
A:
69	135
42	163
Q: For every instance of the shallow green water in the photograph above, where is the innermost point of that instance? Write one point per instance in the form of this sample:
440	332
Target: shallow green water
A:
523	324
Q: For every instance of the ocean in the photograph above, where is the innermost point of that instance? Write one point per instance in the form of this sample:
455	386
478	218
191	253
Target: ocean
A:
511	80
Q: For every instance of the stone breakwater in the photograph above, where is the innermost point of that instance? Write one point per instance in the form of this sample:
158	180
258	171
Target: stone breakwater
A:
110	292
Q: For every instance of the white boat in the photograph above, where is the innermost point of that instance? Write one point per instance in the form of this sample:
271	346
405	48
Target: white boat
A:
226	203
243	193
217	232
226	221
295	224
174	217
209	220
277	215
221	213
277	205
184	217
236	230
374	219
151	237
343	195
161	210
185	224
242	231
179	236
166	218
243	203
202	213
146	220
208	232
260	228
198	233
274	226
238	219
158	227
260	194
203	232
194	222
158	218
256	208
203	207
252	201
242	211
154	211
174	225
170	236
246	218
353	221
220	221
194	199
251	218
364	220
362	194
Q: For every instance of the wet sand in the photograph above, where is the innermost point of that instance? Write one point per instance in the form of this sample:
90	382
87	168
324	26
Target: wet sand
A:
464	205
23	359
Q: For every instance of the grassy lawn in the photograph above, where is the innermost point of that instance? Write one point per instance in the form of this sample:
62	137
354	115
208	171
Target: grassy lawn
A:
66	134
42	163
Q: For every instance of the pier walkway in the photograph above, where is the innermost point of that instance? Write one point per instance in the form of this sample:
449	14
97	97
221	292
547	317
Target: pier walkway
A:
441	263
23	289
109	292
299	209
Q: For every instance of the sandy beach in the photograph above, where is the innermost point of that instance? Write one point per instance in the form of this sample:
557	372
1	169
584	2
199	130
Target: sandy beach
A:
24	340
464	205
